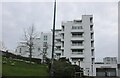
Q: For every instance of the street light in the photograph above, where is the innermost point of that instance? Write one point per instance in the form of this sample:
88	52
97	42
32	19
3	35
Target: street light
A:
53	39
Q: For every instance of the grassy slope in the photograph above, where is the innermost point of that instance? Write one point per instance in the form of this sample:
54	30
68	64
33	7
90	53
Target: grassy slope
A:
24	69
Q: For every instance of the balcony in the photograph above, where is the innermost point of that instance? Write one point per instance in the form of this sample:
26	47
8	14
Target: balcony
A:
57	37
77	30
77	56
92	39
77	47
93	47
77	53
77	38
58	44
91	31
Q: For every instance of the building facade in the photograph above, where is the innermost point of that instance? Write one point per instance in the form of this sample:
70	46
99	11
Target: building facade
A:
42	46
110	60
106	68
78	43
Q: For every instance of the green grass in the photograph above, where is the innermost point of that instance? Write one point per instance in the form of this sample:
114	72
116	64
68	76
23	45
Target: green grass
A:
24	69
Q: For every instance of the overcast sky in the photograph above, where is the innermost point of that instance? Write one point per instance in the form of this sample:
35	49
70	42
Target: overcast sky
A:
19	15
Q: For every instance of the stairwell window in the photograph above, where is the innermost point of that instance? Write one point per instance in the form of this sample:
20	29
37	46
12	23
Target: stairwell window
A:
91	19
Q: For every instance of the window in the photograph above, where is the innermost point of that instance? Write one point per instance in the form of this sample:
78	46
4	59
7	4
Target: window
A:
91	27
45	37
92	60
62	44
77	43
20	50
92	52
63	36
44	50
62	52
91	35
77	51
81	59
63	27
77	34
38	49
91	19
92	43
44	44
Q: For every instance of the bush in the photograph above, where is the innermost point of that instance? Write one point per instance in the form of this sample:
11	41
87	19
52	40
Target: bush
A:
63	68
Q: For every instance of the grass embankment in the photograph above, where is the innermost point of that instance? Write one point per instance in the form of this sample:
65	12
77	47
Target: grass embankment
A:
23	69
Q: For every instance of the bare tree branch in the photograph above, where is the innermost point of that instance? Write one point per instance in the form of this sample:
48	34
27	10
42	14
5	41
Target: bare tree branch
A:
29	37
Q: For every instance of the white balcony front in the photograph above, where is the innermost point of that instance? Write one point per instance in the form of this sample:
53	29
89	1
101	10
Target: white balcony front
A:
77	47
77	53
77	38
57	37
77	30
57	44
77	56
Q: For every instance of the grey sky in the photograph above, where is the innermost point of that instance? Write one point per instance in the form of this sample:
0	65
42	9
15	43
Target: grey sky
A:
16	16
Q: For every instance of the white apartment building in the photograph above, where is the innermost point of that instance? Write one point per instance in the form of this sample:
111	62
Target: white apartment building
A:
78	43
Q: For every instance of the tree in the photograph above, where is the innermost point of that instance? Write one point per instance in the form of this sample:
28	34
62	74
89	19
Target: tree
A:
64	69
29	37
44	53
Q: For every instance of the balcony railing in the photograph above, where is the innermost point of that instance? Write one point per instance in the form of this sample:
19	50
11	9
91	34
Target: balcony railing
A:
77	44
77	53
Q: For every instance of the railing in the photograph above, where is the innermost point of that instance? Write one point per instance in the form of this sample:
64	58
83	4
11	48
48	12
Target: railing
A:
77	44
77	53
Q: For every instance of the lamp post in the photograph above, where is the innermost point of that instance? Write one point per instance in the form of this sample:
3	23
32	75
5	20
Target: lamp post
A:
53	38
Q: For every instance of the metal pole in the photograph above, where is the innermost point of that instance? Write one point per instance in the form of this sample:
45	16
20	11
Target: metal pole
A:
53	38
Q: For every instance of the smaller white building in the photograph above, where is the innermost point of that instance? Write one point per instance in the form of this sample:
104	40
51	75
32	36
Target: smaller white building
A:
106	68
110	60
42	45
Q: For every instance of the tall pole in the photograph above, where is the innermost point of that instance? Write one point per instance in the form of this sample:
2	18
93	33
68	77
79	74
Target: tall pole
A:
53	38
